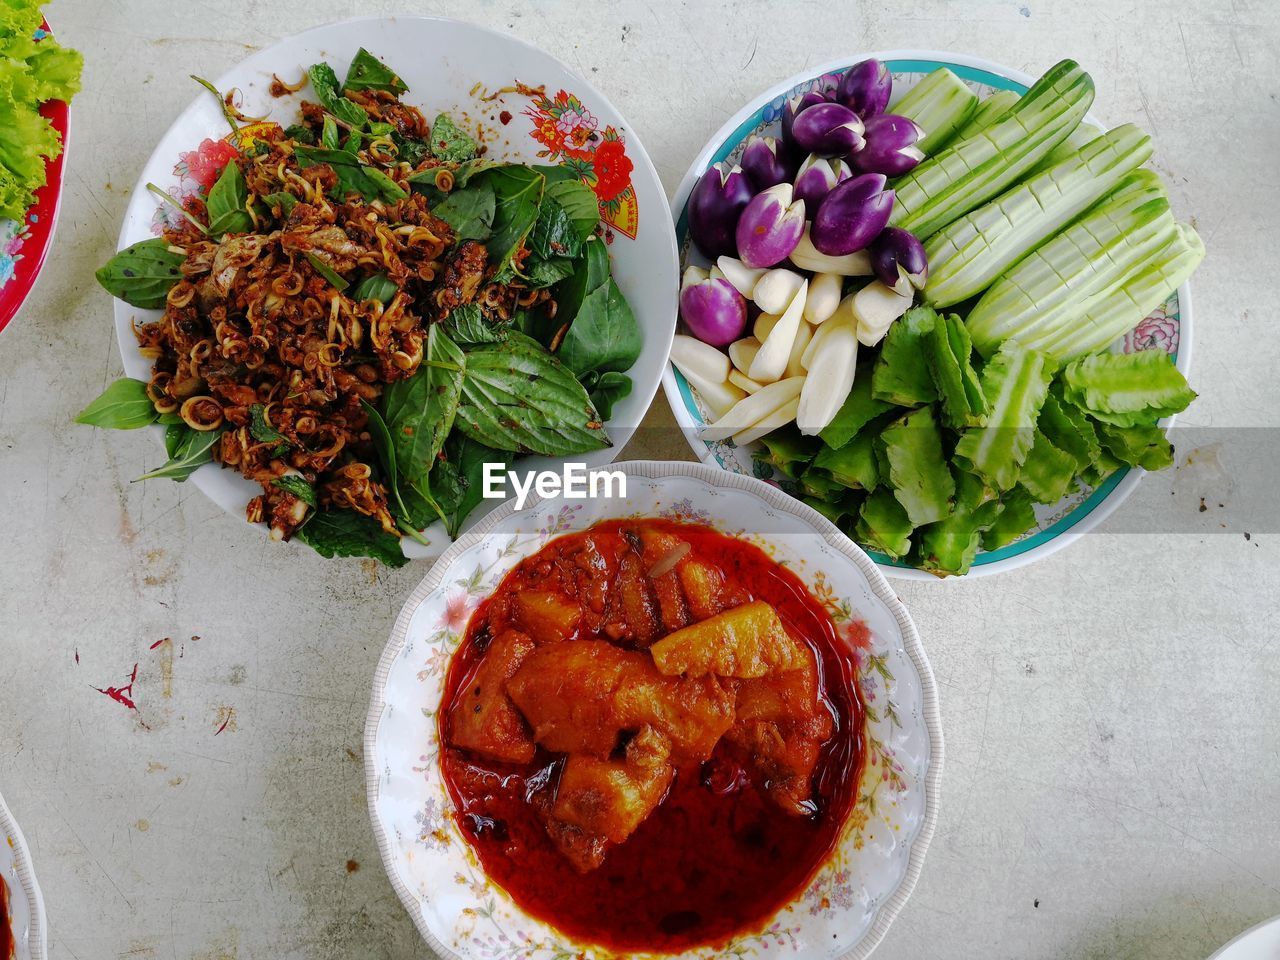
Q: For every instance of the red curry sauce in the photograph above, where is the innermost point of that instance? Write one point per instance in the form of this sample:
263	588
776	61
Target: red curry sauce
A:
717	858
6	923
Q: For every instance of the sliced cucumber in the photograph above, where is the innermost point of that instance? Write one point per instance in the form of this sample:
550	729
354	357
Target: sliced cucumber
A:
988	112
940	104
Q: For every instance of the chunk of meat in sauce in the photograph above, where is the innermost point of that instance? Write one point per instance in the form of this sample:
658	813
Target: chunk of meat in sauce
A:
484	720
661	553
781	726
747	641
634	614
581	695
610	798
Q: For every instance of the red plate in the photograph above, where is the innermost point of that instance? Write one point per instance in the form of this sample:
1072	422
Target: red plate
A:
29	248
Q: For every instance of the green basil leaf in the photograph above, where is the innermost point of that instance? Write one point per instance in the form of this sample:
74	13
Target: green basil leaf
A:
122	406
589	274
301	133
329	133
193	451
326	271
469	212
419	411
353	176
554	233
228	201
547	273
345	533
410	149
325	83
579	202
142	275
468	325
518	195
299	487
353	144
604	335
174	434
610	388
457	479
377	287
285	200
414	508
260	429
450	142
517	397
367	72
170	418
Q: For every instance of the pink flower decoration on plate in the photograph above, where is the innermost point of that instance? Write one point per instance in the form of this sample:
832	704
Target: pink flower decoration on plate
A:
1158	331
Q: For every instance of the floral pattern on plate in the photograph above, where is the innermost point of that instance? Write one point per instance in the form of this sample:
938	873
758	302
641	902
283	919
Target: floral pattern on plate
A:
853	896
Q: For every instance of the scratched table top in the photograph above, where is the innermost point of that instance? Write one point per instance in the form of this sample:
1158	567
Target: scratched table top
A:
183	700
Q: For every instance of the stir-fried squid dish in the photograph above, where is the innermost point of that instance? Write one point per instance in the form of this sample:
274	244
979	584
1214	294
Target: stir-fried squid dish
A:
363	310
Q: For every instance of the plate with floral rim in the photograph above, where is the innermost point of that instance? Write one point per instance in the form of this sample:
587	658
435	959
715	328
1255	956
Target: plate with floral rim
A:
26	916
853	897
529	107
1168	328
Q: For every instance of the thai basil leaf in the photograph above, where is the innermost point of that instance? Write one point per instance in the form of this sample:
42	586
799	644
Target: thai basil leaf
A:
122	406
367	72
604	335
579	202
469	212
329	134
170	418
174	434
554	233
547	273
413	506
193	451
301	133
419	411
260	429
345	533
467	325
517	397
457	480
450	142
590	273
353	176
299	487
142	275
518	194
353	144
610	388
325	82
376	287
228	201
410	149
285	200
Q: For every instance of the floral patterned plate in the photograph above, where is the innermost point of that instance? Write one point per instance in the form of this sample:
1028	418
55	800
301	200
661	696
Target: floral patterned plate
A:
1169	328
26	904
531	108
852	899
25	243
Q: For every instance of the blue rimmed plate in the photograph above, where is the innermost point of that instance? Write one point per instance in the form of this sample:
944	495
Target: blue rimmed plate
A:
1169	328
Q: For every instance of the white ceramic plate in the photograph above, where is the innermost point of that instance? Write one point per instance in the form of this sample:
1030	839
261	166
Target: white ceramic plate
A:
1169	328
26	904
853	898
1257	943
448	66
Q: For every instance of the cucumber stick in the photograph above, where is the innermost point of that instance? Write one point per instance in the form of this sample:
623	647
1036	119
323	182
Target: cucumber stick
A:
1109	315
1047	290
940	104
965	257
1077	138
969	173
988	112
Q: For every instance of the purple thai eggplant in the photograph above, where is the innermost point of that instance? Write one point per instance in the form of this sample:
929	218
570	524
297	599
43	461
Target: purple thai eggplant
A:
765	162
828	129
891	146
713	311
865	88
817	175
770	227
851	215
793	106
715	204
898	261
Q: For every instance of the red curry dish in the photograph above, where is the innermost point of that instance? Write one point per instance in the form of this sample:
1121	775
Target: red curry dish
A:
651	735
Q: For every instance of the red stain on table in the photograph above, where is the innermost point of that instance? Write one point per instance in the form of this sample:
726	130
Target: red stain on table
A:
123	694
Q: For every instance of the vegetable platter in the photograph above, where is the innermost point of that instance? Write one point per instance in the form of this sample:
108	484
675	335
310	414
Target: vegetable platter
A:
936	300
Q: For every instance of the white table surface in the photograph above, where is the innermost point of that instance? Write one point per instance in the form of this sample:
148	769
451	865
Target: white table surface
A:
1112	786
